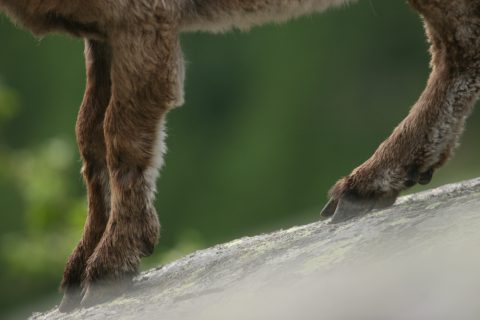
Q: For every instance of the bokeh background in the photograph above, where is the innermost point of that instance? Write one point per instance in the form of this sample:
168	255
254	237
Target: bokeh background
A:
272	119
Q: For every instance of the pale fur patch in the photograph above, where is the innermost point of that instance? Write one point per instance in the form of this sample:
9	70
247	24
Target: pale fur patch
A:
385	181
152	172
223	19
450	122
180	78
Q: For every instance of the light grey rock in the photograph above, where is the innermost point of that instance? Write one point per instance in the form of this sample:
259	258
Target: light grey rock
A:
417	260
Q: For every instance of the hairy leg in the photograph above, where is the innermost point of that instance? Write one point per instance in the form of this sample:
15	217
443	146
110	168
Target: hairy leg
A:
146	77
425	140
91	143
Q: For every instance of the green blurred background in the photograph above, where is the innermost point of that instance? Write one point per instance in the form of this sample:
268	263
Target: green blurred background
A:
272	119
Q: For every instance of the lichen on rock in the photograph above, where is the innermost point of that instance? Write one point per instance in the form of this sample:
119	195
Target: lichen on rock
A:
416	260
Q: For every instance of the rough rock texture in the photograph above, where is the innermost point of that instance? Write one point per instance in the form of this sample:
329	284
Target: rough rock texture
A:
416	260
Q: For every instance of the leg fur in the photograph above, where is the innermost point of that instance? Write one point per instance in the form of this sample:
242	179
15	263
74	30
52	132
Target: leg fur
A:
425	140
145	75
92	149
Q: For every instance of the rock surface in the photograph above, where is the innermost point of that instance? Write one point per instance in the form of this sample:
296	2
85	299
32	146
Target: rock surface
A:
416	260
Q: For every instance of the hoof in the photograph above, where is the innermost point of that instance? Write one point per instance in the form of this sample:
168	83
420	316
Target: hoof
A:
104	291
349	206
70	301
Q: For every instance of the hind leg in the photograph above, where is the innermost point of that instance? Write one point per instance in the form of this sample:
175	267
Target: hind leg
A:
425	140
92	149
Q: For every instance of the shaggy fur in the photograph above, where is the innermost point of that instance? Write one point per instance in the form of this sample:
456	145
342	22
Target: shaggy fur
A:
135	75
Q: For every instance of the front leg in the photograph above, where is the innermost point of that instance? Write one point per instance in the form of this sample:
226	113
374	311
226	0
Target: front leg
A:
145	76
425	140
91	144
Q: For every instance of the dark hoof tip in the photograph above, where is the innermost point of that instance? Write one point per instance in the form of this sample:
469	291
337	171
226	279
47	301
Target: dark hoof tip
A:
426	177
422	178
329	209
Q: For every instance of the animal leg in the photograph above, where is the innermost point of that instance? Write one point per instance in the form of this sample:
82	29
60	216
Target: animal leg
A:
145	75
425	139
91	143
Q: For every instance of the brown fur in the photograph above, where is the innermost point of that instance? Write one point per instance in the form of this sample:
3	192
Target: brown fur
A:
425	140
135	75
